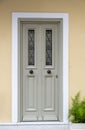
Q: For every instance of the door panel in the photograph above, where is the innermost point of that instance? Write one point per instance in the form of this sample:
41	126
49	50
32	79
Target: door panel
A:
30	98
40	82
49	108
30	73
49	94
31	94
49	70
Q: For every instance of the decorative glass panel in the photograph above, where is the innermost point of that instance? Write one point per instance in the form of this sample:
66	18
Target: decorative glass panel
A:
48	47
31	47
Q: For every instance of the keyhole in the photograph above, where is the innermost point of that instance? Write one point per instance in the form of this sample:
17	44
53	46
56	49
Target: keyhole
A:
56	76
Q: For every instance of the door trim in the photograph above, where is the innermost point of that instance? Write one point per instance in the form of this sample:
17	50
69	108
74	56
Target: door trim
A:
63	19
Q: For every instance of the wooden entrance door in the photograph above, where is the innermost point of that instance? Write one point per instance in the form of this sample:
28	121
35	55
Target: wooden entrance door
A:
40	72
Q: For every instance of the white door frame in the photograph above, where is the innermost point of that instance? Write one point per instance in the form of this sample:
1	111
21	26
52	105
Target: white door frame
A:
15	59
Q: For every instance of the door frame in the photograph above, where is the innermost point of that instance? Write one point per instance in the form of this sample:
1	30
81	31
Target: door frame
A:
63	19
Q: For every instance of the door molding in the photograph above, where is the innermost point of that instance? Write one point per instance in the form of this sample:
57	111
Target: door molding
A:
63	19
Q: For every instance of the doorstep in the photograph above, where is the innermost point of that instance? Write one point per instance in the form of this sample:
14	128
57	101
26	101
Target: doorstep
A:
35	126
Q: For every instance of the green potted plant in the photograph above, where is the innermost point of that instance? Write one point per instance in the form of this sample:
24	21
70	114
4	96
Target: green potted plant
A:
77	113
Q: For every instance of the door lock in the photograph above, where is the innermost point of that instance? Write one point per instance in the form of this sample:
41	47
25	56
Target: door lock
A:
31	71
49	71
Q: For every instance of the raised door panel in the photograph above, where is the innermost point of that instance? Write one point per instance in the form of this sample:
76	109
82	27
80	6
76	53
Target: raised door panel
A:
30	98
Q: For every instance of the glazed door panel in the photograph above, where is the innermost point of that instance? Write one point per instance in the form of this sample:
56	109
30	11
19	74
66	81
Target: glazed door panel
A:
49	73
30	73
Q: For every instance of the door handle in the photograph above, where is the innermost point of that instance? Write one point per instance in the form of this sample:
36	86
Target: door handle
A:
31	71
49	71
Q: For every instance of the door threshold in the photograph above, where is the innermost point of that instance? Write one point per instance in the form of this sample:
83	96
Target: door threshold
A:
43	123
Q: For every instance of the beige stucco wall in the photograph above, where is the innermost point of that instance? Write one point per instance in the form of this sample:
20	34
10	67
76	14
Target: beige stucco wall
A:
76	11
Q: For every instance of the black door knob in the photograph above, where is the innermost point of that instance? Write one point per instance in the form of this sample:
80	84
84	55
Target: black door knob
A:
49	71
31	71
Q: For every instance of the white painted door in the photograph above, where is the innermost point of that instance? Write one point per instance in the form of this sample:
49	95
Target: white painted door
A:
40	72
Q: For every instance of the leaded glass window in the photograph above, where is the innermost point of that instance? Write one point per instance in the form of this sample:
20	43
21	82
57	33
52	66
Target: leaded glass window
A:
31	47
48	47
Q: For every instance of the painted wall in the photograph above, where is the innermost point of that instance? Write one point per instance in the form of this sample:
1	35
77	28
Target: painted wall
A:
76	11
